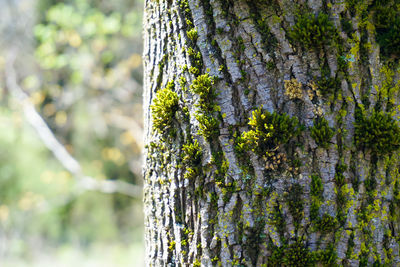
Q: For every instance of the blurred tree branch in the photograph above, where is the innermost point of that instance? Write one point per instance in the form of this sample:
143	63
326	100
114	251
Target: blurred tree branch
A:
50	141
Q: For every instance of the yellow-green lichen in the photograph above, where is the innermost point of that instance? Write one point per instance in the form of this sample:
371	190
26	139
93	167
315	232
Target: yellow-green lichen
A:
293	89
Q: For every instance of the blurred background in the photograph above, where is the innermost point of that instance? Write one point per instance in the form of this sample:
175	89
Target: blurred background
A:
71	133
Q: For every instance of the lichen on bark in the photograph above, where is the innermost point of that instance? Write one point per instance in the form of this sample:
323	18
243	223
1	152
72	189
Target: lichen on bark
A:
303	183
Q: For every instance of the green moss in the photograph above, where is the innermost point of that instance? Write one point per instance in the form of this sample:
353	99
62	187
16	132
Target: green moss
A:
261	22
196	263
218	159
161	66
352	4
184	6
203	86
342	65
321	132
350	245
164	107
276	219
193	54
227	191
370	187
192	153
386	20
326	224
214	200
314	211
313	31
340	195
182	82
327	257
241	44
190	173
192	34
215	259
171	246
191	159
295	203
346	25
208	125
387	24
316	192
379	133
267	131
328	85
194	70
196	61
271	65
295	254
316	186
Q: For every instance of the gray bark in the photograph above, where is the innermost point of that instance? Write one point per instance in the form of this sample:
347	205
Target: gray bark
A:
238	210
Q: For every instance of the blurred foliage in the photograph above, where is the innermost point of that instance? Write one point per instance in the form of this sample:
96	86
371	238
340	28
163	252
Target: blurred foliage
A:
85	81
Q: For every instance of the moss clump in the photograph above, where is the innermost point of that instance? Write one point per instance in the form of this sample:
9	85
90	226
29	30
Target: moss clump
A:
326	224
276	218
313	31
316	191
222	165
326	257
208	125
295	254
171	246
321	132
164	107
194	70
203	86
316	187
341	198
192	34
184	5
195	58
387	24
192	153
379	133
196	263
386	21
268	131
328	85
295	203
191	159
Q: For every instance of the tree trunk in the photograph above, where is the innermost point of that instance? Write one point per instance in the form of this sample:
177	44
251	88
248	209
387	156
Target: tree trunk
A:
271	131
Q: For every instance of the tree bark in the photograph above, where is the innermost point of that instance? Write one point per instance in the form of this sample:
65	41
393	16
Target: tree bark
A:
271	132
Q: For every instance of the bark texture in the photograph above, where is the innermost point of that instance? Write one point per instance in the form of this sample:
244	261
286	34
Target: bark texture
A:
271	132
